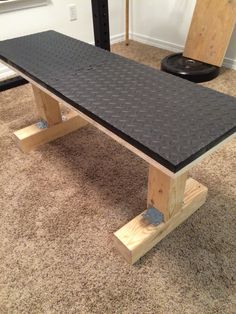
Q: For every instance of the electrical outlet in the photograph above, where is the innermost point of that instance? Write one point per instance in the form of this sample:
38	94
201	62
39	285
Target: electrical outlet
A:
73	12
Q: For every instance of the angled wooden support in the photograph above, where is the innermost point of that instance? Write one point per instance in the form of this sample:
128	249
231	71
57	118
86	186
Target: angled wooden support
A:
49	110
177	198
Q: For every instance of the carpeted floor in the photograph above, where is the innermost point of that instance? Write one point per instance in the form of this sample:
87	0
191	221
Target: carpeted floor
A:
60	205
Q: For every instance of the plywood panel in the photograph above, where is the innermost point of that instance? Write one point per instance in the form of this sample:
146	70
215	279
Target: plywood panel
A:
210	31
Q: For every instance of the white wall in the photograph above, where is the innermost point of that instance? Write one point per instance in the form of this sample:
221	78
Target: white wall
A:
165	24
56	16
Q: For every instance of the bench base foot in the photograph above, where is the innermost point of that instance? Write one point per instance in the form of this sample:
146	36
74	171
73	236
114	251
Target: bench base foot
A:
32	136
137	237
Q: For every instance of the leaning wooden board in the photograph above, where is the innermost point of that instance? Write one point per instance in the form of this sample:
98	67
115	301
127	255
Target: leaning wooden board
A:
210	31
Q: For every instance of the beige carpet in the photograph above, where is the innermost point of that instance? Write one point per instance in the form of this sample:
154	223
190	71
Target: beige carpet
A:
60	204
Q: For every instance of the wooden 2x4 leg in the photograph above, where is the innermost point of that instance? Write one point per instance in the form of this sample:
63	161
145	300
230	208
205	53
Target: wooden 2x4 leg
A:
49	111
177	198
164	192
48	108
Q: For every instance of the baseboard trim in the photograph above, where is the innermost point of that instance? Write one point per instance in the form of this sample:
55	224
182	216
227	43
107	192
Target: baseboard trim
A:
159	43
229	63
117	38
5	72
114	39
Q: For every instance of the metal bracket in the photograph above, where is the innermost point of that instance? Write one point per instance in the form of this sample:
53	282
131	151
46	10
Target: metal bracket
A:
153	216
63	117
42	124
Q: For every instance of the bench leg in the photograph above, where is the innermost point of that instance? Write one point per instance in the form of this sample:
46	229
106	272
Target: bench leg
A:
48	111
48	107
176	198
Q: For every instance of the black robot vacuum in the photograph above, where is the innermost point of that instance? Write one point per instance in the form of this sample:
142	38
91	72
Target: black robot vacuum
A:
189	69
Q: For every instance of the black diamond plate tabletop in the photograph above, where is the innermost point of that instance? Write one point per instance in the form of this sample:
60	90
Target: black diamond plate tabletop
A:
169	119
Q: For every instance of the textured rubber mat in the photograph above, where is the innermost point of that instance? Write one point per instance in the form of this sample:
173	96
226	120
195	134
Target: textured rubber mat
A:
171	120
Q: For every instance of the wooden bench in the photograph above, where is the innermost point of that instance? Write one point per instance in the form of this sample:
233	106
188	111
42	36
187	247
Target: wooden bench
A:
168	122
